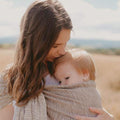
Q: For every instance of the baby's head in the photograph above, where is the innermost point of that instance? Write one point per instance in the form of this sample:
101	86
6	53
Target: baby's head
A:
85	64
70	69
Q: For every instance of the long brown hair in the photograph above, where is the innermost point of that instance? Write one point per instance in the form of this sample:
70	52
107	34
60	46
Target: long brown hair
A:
39	29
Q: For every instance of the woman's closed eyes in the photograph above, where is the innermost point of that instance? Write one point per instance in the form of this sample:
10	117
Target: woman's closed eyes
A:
55	46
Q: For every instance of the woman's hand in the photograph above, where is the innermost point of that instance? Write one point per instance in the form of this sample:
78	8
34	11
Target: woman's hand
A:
102	115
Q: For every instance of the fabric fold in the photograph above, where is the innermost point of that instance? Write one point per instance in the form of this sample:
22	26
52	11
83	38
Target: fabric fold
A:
65	101
35	109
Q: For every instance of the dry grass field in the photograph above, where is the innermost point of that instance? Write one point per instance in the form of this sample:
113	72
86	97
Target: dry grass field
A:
108	78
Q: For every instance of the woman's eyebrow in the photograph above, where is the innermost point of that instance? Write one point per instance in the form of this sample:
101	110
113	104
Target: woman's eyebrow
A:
58	43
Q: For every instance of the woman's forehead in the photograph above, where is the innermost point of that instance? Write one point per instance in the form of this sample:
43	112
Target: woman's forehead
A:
63	37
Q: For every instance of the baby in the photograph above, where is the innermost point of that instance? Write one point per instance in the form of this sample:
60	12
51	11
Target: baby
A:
73	69
76	91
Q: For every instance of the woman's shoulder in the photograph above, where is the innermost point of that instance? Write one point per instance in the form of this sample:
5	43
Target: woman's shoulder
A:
3	83
5	98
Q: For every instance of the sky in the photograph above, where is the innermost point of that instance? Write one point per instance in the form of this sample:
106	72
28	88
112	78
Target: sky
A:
92	19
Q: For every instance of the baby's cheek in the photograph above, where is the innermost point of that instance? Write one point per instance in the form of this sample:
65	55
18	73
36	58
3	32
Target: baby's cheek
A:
67	82
71	81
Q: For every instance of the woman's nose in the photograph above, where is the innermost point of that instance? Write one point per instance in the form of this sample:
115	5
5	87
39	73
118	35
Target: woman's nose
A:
62	52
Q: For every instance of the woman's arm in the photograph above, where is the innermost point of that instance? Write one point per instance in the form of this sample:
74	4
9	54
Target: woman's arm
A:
7	113
5	98
102	115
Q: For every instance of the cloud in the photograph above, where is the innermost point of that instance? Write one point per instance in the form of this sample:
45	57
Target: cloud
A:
10	18
119	4
89	22
93	23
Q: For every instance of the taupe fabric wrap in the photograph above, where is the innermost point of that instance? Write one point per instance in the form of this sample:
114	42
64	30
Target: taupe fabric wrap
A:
63	102
56	102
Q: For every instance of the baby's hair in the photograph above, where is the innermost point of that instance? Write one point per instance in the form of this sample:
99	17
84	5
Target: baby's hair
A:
84	62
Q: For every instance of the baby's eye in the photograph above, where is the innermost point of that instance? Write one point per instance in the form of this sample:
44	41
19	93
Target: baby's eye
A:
60	82
67	78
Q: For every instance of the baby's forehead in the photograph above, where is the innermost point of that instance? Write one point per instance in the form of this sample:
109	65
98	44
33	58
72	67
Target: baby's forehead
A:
62	69
65	63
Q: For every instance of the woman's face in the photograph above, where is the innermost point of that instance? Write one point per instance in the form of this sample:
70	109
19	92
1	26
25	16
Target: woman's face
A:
58	48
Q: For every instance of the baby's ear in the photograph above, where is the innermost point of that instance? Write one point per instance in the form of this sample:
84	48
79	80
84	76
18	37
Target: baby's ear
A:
85	71
85	74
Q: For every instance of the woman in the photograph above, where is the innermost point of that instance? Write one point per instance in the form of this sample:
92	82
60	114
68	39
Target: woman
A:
44	31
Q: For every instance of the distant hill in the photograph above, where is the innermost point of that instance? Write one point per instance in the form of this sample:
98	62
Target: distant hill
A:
8	40
88	43
106	44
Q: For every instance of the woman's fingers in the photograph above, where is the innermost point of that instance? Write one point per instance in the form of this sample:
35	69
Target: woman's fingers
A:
102	115
97	110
